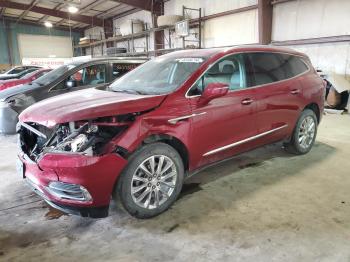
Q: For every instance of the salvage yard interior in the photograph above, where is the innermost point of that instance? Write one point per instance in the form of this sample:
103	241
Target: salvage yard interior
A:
264	205
172	130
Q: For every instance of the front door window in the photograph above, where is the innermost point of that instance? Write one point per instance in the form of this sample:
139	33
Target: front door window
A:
91	75
229	70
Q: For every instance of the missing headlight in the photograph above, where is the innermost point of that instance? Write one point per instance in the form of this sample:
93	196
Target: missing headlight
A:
88	138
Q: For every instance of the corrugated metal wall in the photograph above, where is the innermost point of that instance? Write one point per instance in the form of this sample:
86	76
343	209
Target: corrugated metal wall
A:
303	19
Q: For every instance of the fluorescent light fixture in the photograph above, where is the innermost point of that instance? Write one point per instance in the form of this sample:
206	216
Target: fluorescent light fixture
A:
48	24
72	9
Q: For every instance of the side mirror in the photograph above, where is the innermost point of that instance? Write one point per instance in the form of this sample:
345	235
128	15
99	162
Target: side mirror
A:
70	84
212	91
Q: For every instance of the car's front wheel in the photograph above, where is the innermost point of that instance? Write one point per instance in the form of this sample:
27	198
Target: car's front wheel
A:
152	180
304	134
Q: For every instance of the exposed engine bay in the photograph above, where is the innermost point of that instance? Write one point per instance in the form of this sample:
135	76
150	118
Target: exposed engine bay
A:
84	137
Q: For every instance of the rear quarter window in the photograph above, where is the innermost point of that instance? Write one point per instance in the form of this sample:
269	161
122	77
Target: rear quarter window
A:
297	66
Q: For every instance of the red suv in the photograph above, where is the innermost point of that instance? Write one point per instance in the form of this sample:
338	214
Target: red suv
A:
141	137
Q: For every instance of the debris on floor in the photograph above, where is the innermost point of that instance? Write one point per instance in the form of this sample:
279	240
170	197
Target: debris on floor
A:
333	111
337	91
54	214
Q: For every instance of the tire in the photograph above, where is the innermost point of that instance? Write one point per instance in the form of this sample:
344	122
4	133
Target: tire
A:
138	187
301	141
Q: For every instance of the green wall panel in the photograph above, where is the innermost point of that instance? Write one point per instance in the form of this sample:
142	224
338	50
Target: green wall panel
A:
4	57
15	29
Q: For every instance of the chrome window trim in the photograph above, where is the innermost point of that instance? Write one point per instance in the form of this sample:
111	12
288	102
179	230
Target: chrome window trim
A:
219	149
251	87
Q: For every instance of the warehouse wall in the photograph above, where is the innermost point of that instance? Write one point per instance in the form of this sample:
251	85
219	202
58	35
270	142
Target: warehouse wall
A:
95	33
303	19
140	43
240	28
19	28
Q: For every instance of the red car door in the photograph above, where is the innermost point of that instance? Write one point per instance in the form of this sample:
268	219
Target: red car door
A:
224	126
278	95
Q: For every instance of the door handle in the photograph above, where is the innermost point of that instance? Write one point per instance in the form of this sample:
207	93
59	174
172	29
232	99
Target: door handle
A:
295	91
247	101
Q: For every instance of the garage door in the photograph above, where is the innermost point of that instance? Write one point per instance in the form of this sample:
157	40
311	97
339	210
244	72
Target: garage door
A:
40	46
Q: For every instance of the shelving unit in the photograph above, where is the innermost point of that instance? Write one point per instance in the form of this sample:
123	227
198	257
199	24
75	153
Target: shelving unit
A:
130	39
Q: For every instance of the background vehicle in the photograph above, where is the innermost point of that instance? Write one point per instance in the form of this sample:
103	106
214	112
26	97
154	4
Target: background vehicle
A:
67	78
18	75
18	69
165	120
4	84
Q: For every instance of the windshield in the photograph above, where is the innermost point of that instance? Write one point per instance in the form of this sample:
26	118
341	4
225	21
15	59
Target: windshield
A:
159	76
15	70
28	74
53	75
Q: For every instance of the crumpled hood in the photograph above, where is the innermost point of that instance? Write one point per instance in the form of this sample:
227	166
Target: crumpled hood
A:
87	104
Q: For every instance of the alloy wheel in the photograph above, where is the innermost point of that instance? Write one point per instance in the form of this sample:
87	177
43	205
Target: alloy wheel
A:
153	182
307	132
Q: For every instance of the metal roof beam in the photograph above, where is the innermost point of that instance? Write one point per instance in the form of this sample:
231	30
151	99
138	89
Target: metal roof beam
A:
84	9
90	20
153	6
24	14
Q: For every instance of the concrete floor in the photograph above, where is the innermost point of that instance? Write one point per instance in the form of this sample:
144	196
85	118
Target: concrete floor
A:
262	206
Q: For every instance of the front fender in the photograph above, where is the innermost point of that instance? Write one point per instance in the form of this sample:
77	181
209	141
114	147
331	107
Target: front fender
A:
146	127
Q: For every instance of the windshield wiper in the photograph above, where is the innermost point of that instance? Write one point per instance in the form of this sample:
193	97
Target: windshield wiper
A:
130	91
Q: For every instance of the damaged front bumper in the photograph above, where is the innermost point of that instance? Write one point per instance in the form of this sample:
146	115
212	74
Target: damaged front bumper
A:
73	183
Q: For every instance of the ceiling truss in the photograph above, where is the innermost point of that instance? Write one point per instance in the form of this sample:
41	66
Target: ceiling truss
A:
91	13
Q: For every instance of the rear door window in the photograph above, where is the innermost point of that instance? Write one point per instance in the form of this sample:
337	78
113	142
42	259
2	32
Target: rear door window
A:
120	69
274	67
268	68
297	65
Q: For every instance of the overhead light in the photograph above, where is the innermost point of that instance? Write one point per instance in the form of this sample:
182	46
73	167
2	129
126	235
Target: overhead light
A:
72	9
48	24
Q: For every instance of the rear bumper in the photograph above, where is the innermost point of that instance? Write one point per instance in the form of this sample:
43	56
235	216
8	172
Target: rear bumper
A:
96	175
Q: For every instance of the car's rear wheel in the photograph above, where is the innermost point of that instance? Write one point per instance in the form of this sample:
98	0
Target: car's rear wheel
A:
152	180
304	134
